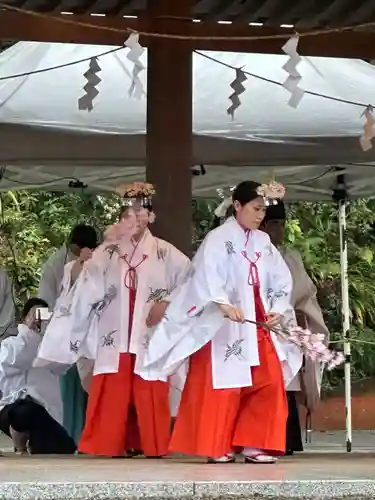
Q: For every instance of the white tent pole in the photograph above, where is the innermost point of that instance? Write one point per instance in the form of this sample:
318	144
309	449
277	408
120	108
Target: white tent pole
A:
345	320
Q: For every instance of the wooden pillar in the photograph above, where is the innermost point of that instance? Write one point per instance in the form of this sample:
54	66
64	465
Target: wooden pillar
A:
169	124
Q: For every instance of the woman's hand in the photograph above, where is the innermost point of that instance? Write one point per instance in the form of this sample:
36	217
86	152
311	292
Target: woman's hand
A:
273	319
233	313
156	313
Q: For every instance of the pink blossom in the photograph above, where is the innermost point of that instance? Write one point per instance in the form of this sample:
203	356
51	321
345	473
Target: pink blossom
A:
313	356
312	346
317	337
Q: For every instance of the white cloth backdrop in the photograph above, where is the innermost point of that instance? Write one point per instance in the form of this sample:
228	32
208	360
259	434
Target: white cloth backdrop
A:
43	135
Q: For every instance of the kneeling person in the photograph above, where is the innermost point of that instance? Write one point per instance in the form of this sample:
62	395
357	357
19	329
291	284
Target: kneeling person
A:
31	406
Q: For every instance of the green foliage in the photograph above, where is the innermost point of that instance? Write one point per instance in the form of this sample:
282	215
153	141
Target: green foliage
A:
35	224
313	230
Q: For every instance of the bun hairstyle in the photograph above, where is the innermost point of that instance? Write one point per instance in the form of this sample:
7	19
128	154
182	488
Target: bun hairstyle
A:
275	212
245	191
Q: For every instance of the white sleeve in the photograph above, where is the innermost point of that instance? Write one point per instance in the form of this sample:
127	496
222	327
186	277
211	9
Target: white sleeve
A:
178	269
88	291
18	353
70	323
210	270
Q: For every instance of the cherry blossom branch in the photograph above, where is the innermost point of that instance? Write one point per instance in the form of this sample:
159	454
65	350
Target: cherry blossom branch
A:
311	344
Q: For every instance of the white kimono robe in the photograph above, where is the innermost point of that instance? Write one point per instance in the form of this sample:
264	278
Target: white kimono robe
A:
92	320
221	275
56	333
304	299
18	377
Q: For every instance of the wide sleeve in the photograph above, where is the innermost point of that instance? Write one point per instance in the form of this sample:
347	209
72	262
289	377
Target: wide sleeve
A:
18	353
178	268
281	287
192	318
210	270
88	292
67	332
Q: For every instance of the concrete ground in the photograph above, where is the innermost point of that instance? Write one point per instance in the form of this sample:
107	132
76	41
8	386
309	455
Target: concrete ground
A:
325	471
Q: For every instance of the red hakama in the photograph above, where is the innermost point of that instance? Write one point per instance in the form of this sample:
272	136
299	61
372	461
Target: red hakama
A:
126	412
213	422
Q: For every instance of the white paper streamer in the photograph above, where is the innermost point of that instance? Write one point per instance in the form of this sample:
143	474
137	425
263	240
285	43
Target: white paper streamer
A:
85	103
134	55
368	129
291	84
238	89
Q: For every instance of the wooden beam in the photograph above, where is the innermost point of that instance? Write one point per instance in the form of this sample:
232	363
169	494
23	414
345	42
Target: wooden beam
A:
334	10
20	26
121	7
218	12
363	12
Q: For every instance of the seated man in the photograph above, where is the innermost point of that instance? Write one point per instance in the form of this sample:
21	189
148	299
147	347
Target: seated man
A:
31	406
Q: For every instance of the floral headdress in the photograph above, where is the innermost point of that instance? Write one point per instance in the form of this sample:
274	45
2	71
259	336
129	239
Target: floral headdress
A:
142	191
271	192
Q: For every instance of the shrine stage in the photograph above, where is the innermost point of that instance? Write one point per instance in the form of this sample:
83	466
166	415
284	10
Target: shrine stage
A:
311	475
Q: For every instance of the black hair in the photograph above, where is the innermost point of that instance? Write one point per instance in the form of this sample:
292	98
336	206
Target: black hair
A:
33	302
84	237
275	212
145	204
245	191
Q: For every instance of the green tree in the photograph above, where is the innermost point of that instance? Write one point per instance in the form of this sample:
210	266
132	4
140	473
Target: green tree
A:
34	224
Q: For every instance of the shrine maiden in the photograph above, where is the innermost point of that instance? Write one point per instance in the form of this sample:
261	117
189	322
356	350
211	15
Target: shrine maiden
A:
234	397
121	294
306	385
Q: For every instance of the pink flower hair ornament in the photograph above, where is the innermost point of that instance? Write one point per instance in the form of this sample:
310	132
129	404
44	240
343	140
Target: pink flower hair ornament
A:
271	192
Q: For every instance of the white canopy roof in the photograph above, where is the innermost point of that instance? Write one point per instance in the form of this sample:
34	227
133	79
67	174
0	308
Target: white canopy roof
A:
45	140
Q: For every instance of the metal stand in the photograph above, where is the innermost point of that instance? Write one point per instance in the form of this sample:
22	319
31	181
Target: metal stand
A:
345	320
